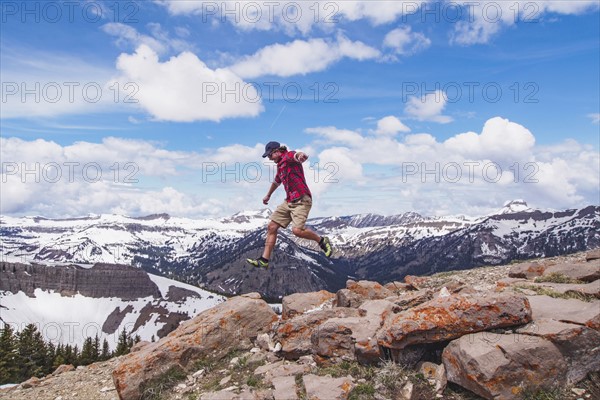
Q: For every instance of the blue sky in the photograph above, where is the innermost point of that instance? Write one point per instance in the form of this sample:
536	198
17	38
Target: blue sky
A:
137	107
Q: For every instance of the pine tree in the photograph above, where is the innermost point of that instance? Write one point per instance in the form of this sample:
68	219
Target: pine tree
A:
32	353
96	348
76	356
50	356
68	355
59	356
106	354
122	344
87	352
8	355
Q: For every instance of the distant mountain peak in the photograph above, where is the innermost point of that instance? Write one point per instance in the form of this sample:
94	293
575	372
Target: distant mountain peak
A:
247	216
514	206
151	217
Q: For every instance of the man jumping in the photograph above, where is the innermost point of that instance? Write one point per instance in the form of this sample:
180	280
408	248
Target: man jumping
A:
296	205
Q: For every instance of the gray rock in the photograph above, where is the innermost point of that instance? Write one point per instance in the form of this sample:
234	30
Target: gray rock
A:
299	303
285	388
353	337
411	299
578	344
445	318
500	366
326	387
592	255
587	272
528	270
295	334
587	289
566	310
348	298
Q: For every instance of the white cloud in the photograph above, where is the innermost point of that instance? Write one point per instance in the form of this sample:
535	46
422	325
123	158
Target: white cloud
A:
337	166
428	107
499	139
160	41
185	89
338	136
484	19
594	117
128	35
301	57
390	125
472	173
125	176
285	16
405	42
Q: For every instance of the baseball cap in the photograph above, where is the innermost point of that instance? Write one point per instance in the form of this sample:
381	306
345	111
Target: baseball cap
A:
270	147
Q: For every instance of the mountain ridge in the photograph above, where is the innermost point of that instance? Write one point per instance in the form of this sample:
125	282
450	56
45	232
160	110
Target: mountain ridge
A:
211	253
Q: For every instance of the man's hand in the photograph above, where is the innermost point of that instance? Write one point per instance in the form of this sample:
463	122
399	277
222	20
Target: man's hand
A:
301	157
266	199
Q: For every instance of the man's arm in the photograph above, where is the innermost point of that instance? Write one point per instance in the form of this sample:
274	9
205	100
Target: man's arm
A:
300	156
273	187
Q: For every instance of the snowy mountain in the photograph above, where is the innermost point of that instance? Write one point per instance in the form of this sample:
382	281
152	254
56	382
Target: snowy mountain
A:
210	253
69	302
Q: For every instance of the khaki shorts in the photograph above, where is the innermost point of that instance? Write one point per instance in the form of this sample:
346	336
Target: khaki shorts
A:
296	213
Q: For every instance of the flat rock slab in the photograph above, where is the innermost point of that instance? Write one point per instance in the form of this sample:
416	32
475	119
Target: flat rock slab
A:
587	272
593	255
566	310
285	388
220	395
587	289
327	388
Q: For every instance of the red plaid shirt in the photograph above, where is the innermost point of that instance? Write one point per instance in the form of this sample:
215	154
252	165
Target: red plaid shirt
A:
291	174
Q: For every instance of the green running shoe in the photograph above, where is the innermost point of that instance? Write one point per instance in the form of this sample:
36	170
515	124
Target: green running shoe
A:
258	263
325	245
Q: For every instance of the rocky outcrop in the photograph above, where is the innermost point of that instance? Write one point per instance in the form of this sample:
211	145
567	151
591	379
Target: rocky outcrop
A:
101	280
556	349
211	335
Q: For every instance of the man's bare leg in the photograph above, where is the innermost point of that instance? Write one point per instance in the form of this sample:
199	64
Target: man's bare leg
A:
272	229
306	234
